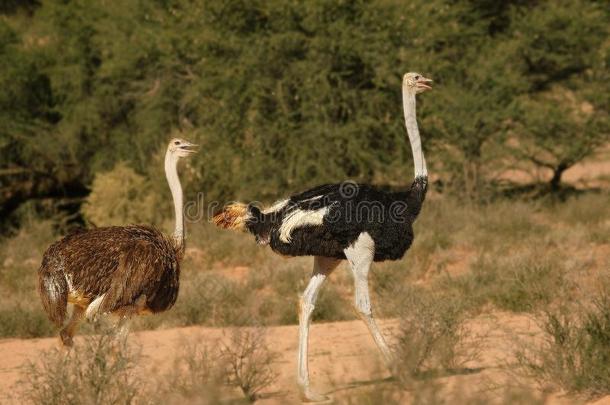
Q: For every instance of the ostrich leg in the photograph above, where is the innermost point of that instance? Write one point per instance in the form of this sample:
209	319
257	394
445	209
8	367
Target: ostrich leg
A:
67	332
124	317
322	267
360	256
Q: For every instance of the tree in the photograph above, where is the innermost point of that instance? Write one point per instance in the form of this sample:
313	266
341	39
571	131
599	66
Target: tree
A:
564	118
557	130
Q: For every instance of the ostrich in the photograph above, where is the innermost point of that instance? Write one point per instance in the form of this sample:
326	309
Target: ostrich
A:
122	270
357	222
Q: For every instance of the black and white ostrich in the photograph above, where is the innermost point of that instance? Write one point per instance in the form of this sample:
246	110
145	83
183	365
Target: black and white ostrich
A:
357	222
122	270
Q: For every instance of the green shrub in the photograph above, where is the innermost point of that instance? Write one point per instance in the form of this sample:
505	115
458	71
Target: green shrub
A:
574	353
120	197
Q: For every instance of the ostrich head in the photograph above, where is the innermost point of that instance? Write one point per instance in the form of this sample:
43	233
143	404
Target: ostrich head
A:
415	82
180	148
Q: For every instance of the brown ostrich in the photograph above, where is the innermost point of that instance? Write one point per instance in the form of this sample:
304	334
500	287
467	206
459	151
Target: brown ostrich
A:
119	270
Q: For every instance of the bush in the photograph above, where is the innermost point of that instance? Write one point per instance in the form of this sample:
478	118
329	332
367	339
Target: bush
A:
120	197
574	353
432	335
248	362
100	371
25	321
195	377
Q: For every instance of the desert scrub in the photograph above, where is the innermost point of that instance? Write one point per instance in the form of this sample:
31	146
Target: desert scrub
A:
247	362
99	370
276	290
574	352
26	320
239	365
432	335
435	393
520	282
196	377
437	228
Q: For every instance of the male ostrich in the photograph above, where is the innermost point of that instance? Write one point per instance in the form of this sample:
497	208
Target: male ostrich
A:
357	222
122	270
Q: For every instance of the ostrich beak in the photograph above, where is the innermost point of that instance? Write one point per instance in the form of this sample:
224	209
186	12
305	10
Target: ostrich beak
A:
188	148
422	83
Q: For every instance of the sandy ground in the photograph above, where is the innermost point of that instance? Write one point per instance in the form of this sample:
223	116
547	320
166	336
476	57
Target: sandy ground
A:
343	361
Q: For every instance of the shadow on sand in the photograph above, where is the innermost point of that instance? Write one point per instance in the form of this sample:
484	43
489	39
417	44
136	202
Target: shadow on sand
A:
426	375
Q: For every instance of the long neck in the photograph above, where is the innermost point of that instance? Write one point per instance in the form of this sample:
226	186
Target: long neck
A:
171	172
408	101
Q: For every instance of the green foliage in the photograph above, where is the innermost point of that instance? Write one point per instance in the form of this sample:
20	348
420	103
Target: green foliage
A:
556	135
565	116
285	95
119	197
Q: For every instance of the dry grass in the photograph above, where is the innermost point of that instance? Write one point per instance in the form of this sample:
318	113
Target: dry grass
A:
20	311
574	354
521	282
196	377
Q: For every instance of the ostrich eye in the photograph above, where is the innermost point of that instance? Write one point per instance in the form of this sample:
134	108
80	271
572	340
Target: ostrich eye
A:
417	77
177	143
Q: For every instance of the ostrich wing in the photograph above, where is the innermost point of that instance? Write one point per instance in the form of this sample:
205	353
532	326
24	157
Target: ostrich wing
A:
145	268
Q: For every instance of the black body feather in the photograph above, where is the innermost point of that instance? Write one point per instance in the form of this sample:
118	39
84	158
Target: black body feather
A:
352	209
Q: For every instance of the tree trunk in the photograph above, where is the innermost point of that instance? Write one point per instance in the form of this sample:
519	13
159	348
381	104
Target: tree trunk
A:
557	173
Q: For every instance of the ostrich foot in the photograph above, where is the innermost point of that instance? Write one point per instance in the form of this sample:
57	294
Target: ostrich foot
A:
307	395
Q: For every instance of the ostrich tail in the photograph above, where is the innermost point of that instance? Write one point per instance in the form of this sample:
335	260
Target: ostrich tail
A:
53	291
233	216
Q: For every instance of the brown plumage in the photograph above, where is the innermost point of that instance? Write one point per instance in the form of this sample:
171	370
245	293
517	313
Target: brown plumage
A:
126	271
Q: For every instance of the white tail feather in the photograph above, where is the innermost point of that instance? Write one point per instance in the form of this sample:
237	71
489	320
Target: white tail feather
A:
94	307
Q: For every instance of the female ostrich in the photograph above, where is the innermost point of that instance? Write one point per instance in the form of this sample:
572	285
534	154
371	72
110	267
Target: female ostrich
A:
123	270
357	222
